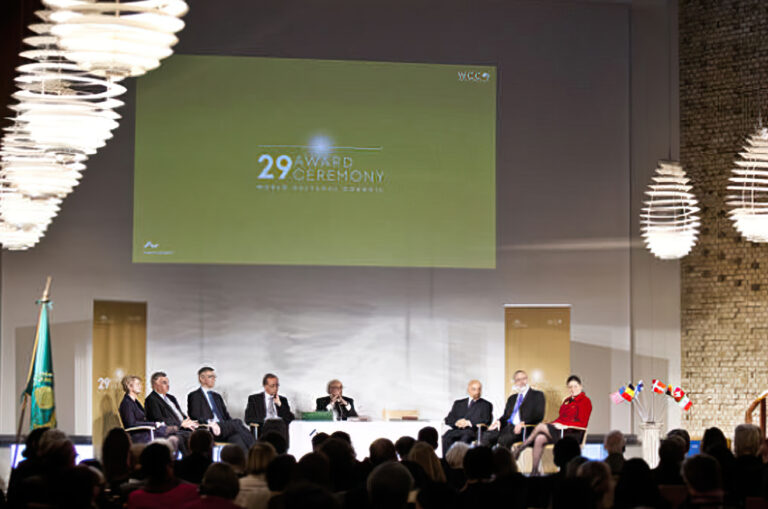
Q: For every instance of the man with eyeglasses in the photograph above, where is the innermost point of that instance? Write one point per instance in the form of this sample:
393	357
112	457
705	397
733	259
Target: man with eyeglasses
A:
342	407
525	407
268	404
206	406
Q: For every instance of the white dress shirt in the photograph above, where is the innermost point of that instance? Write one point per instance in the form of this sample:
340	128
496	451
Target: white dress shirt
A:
332	408
269	403
208	400
521	394
173	407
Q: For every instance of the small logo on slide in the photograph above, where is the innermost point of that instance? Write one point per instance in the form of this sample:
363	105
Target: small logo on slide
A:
150	245
475	76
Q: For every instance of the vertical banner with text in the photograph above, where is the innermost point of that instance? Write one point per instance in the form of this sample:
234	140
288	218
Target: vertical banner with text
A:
119	349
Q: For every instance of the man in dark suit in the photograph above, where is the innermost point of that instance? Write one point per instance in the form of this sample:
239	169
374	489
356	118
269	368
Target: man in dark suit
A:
525	407
341	407
207	407
268	404
465	415
163	407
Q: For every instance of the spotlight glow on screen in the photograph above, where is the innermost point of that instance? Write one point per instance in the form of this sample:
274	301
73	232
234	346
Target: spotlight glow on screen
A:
250	160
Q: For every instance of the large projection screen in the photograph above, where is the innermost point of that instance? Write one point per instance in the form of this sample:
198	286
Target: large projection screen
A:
250	160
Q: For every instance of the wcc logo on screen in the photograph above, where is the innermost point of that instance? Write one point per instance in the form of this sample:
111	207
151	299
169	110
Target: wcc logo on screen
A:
474	76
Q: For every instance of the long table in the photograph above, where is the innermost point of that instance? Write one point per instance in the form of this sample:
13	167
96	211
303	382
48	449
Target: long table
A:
362	433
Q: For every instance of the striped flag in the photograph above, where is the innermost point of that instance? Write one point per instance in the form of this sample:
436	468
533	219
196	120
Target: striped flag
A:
658	386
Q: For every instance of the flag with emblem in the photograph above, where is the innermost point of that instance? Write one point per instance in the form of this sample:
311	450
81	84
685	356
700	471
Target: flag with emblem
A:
39	386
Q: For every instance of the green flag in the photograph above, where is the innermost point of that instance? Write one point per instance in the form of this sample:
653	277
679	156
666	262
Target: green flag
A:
40	379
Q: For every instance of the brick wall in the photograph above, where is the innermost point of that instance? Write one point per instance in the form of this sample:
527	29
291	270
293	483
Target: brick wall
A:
724	281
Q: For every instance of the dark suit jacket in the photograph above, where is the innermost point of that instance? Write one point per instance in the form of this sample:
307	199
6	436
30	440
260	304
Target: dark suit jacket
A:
531	409
256	411
158	410
132	414
481	412
322	405
199	409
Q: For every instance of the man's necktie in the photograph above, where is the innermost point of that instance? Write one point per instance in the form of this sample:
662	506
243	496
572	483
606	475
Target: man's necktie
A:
214	408
272	412
518	402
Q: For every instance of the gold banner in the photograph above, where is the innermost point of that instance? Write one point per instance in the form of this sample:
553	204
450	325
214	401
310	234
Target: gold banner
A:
119	349
538	341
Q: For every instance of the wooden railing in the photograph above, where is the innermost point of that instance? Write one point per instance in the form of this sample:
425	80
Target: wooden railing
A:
761	402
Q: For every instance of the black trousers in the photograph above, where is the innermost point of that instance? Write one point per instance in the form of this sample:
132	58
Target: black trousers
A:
235	432
505	437
466	435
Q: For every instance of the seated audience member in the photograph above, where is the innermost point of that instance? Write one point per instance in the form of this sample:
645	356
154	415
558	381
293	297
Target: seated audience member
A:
572	421
438	496
318	440
276	440
280	472
341	406
600	480
389	486
162	489
342	435
132	412
508	484
420	478
703	480
233	456
313	468
27	467
254	491
342	465
268	404
636	487
540	489
163	407
380	451
715	444
218	489
615	445
424	455
525	407
79	487
304	496
465	415
572	468
478	467
206	406
453	466
192	467
56	454
748	466
429	435
116	462
403	446
671	456
573	493
683	434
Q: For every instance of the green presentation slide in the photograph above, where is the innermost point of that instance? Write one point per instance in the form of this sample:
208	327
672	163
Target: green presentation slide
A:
250	160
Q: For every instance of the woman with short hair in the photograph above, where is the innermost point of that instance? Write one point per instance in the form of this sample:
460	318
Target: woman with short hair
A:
571	421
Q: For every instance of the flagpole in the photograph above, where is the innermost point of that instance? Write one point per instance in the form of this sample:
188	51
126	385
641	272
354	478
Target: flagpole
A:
43	300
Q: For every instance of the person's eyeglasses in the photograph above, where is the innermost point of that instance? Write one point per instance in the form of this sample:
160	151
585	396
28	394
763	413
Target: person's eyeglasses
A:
336	387
273	385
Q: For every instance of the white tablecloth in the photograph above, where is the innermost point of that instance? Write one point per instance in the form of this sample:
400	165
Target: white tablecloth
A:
362	433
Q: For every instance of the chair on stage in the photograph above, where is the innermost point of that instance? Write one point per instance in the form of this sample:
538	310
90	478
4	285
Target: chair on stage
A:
400	415
547	463
138	434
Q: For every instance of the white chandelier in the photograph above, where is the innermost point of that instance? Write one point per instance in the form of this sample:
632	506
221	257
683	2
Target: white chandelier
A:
669	222
116	39
66	100
749	188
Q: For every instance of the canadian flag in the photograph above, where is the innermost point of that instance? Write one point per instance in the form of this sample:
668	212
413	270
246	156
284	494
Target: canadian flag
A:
658	386
677	394
685	403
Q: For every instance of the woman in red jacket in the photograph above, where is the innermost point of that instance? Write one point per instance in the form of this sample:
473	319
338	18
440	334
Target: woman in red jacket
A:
572	421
